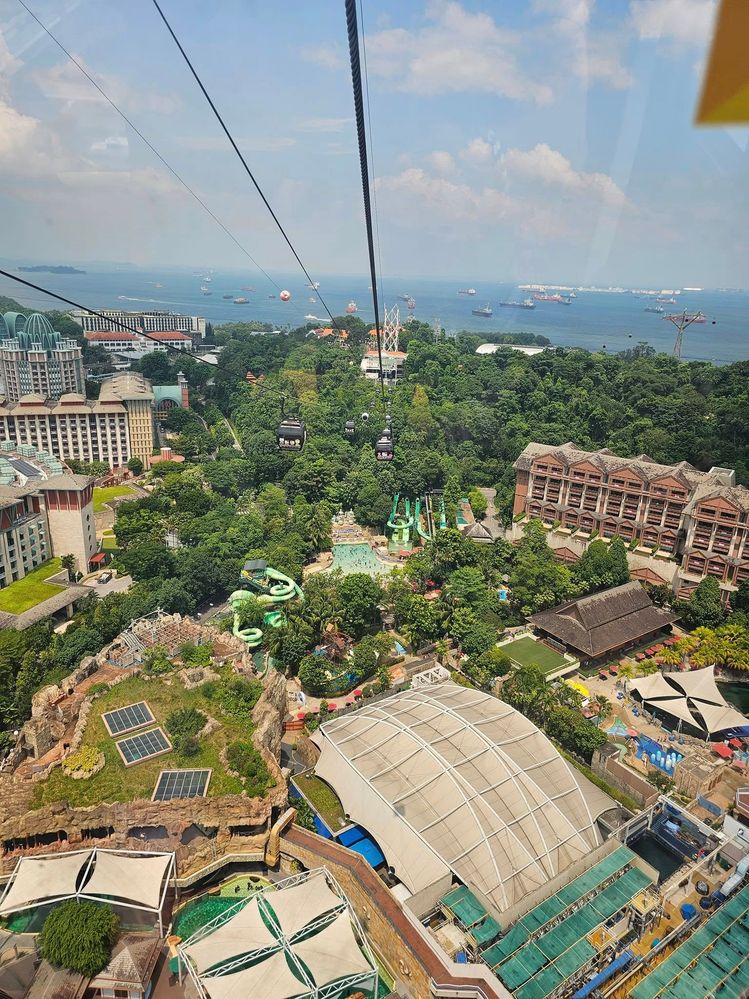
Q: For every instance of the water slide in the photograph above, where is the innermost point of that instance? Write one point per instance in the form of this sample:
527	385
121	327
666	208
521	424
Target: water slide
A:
424	535
394	512
443	518
400	525
282	590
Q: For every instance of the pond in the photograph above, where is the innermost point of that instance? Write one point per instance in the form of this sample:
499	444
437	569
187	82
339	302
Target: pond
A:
651	851
735	693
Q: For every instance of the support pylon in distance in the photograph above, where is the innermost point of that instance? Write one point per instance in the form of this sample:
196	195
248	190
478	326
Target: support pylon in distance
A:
682	321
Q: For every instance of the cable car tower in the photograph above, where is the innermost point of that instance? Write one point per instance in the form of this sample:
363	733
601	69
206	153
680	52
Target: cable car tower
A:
682	321
390	330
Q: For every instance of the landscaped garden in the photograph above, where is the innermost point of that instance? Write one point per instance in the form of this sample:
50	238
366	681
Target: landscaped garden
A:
31	590
180	713
103	495
525	652
323	799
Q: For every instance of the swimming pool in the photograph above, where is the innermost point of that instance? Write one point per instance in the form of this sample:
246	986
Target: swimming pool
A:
665	758
358	558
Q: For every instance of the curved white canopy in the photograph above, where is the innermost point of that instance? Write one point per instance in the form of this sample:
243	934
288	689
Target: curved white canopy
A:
333	952
241	934
138	879
44	879
300	905
272	978
451	779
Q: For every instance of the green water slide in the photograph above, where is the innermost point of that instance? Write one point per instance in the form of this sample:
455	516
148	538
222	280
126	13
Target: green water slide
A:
424	535
394	513
443	518
283	589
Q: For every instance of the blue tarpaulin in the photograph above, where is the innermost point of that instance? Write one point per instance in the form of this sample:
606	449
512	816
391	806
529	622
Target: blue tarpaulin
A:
603	976
369	850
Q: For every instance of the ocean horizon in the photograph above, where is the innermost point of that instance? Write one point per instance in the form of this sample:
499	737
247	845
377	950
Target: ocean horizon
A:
595	320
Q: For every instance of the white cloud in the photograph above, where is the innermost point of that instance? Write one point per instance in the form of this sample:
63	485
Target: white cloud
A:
65	82
325	124
9	64
477	151
551	167
689	22
327	56
442	161
456	52
112	143
569	15
27	147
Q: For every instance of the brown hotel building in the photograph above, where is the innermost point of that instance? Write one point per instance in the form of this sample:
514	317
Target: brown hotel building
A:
701	519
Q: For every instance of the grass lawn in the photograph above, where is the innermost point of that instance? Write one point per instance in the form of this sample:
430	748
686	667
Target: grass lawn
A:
103	494
31	590
116	782
323	799
109	541
525	651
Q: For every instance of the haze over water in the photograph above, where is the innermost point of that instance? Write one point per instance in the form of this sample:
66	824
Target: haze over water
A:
594	319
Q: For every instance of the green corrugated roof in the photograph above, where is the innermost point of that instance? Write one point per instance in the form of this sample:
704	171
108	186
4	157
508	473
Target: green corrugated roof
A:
483	932
465	906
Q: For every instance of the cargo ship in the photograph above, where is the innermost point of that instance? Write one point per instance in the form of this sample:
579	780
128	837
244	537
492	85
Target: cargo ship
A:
241	301
666	301
543	297
486	312
527	303
466	291
654	308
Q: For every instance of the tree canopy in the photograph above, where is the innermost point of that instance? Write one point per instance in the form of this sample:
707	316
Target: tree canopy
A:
79	936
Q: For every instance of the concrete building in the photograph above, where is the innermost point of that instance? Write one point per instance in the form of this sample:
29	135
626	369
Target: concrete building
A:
119	341
68	502
34	358
113	428
149	322
698	520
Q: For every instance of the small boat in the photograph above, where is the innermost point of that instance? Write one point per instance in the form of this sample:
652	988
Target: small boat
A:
572	295
311	319
654	308
271	296
208	279
313	284
543	297
227	296
527	303
351	308
243	288
241	301
466	291
205	289
403	298
486	312
312	300
666	301
565	300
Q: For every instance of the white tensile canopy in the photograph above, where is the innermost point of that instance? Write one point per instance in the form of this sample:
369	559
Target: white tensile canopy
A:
241	934
271	979
333	952
693	697
650	687
262	931
678	707
451	780
698	683
135	878
43	879
301	905
719	719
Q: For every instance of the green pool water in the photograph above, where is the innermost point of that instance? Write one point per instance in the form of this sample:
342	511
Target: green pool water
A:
358	558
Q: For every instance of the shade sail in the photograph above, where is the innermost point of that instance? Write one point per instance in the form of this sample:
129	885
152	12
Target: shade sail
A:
333	952
302	904
270	979
677	707
448	779
719	719
699	683
649	687
138	879
40	879
241	934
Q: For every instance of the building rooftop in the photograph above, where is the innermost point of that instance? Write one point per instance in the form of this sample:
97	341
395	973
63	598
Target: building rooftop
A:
133	961
452	780
125	386
602	622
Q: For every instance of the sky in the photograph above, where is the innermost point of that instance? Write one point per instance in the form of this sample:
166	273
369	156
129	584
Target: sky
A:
524	140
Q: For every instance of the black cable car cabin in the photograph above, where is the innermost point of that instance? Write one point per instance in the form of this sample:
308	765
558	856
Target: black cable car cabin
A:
384	449
291	435
350	428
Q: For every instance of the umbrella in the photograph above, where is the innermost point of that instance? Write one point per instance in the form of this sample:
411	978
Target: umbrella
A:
357	693
632	733
301	715
332	707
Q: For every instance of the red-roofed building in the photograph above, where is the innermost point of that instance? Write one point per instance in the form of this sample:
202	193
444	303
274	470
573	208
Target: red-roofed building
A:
116	341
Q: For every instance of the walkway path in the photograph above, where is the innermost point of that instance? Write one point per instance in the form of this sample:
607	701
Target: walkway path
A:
491	520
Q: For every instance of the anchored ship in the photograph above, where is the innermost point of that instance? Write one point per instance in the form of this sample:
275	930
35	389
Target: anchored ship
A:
486	312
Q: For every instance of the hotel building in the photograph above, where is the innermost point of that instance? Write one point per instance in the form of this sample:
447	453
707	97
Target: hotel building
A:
700	519
34	358
150	322
120	341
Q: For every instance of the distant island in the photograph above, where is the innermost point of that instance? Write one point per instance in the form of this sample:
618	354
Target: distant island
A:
51	269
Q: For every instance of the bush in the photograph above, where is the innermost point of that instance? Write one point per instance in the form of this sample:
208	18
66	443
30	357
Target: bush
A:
79	936
156	661
245	760
84	759
183	726
368	690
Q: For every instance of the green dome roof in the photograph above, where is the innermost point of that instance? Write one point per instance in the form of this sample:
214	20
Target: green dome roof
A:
37	325
11	325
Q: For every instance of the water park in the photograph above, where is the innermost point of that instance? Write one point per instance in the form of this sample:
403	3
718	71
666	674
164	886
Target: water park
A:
408	524
268	587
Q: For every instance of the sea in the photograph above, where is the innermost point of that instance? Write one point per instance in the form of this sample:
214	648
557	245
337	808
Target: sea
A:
595	320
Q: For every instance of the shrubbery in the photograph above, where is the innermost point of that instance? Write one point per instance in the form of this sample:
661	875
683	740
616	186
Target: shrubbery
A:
79	936
183	726
245	760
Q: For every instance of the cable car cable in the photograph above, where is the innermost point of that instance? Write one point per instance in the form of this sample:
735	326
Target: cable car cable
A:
353	44
371	143
242	160
150	145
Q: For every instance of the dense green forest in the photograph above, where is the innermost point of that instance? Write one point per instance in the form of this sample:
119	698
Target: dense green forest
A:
459	420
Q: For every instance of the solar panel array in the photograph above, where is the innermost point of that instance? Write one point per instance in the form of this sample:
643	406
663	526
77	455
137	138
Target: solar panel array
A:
128	718
143	746
181	784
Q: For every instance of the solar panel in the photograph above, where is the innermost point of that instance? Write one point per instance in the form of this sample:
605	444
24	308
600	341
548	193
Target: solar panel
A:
181	784
128	718
143	746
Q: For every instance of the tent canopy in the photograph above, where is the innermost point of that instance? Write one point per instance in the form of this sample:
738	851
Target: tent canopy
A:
333	952
699	683
678	707
272	979
42	879
138	879
300	905
689	697
242	933
649	687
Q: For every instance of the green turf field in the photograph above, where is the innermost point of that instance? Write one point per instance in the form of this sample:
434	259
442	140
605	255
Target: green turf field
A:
31	590
525	651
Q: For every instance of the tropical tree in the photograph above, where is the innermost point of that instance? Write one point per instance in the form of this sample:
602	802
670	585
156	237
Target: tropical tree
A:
79	936
135	465
68	562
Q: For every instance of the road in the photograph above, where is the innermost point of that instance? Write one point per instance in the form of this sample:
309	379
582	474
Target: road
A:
118	584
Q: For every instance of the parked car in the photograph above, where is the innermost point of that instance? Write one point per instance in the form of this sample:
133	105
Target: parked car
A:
104	577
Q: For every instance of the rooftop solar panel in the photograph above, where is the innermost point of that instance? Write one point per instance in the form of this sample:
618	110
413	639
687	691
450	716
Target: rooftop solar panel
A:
126	719
143	746
181	784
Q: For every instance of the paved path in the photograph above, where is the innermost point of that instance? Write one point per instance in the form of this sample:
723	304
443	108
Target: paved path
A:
491	520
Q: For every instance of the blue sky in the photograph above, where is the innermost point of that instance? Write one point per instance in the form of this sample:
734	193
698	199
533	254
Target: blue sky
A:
515	139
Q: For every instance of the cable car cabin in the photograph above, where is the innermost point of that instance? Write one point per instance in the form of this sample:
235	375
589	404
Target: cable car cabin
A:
291	435
350	428
384	449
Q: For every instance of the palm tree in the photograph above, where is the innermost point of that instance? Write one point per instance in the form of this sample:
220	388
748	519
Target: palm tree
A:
441	649
69	563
